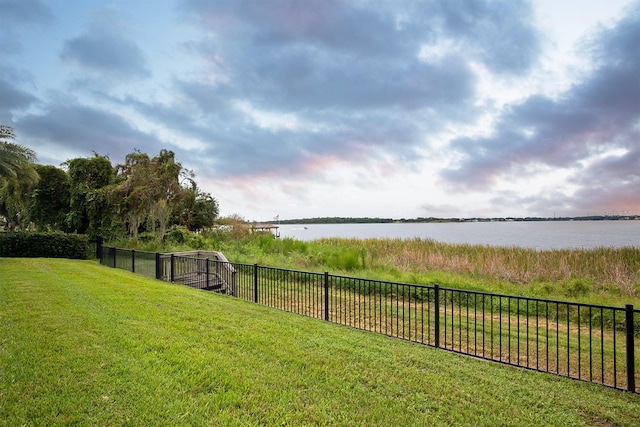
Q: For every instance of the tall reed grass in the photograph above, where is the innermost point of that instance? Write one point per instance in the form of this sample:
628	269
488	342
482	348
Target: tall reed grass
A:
579	271
600	268
603	275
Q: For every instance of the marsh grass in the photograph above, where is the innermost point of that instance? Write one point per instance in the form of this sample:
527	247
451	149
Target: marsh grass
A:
603	275
578	270
83	344
609	275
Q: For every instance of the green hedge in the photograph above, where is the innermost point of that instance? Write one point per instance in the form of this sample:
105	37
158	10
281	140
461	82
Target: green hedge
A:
43	245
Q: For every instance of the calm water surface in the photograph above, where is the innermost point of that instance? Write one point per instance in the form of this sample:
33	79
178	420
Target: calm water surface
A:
534	234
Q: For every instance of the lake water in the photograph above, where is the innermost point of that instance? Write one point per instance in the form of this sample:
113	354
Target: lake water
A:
528	234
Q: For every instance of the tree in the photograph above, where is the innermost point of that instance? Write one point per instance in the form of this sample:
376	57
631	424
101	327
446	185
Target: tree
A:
169	191
49	199
205	212
134	191
150	190
16	161
14	201
103	212
85	177
17	175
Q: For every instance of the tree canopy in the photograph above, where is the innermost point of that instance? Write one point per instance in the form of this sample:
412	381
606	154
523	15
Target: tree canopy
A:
92	196
49	201
17	175
16	161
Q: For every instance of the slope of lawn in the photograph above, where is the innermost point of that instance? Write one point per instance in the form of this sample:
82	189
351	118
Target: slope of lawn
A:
84	344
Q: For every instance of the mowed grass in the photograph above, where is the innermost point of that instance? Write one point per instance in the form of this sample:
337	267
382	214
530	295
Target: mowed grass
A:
83	344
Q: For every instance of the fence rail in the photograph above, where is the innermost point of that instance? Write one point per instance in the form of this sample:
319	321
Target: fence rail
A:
582	341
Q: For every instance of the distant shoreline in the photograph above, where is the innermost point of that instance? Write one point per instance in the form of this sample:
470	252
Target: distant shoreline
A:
367	220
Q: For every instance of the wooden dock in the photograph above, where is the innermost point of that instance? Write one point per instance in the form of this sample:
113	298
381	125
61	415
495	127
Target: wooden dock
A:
260	228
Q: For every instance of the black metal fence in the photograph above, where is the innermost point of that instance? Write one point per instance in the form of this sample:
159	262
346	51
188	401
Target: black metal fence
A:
582	341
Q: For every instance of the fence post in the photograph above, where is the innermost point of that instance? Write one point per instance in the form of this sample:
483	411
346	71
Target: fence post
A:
206	260
115	256
133	260
172	274
631	379
255	283
436	323
326	295
158	267
234	288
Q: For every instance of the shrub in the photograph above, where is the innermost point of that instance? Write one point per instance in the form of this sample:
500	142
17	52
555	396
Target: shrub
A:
576	287
176	235
343	259
43	245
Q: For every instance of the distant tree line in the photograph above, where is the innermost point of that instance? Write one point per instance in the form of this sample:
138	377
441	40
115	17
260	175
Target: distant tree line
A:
92	196
367	220
336	220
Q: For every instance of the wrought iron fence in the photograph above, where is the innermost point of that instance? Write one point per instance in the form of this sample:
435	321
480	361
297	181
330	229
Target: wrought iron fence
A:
582	341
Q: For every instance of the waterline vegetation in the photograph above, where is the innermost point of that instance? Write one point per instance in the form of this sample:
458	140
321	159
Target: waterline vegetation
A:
600	275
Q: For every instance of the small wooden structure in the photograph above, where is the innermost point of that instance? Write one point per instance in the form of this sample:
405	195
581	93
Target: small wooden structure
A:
274	229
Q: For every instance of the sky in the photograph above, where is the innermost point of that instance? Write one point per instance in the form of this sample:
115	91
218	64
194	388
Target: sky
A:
360	108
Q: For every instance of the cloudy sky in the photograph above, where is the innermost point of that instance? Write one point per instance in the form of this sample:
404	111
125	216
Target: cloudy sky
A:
401	109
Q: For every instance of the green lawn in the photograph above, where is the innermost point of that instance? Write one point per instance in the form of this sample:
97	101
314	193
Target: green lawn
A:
83	344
